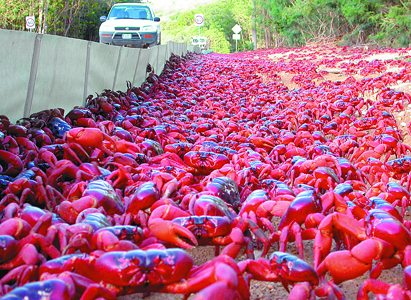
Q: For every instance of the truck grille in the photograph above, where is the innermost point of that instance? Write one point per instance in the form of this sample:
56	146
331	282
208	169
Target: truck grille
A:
127	28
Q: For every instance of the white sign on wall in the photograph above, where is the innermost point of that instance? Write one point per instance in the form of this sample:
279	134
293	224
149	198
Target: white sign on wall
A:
199	20
30	22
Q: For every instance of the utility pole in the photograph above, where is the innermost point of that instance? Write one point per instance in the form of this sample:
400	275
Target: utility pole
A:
254	29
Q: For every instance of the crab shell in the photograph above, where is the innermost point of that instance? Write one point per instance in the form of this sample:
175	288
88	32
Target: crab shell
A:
292	269
139	268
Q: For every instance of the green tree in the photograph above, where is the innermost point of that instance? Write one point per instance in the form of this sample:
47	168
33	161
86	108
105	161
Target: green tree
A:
13	13
395	27
219	19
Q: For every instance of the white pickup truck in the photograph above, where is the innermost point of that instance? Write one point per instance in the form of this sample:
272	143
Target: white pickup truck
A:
130	24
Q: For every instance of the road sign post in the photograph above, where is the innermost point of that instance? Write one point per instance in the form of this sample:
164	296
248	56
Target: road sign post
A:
199	21
236	36
30	23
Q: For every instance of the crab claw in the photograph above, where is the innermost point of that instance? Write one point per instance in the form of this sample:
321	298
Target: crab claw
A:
78	241
261	142
301	290
21	275
173	233
10	164
215	291
91	138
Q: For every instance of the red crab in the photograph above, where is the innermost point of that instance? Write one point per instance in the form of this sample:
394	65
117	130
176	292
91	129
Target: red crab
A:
384	239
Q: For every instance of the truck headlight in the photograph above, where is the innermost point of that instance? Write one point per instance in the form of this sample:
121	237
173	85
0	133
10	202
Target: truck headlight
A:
148	28
106	27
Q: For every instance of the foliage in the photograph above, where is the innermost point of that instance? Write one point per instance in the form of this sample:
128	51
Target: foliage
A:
219	19
299	22
279	23
396	27
12	14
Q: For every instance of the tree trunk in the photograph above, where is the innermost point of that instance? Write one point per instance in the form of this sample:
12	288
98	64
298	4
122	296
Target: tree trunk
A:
254	26
45	25
41	8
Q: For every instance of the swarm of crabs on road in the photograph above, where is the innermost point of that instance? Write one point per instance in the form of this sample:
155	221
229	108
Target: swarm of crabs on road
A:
268	174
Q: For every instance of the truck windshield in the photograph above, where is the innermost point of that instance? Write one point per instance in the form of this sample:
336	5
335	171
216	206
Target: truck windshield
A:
130	12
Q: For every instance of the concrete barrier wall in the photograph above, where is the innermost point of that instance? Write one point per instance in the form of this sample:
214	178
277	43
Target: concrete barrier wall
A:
41	72
194	49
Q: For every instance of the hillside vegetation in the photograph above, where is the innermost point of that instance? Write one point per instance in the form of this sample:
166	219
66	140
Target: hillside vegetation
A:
278	23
